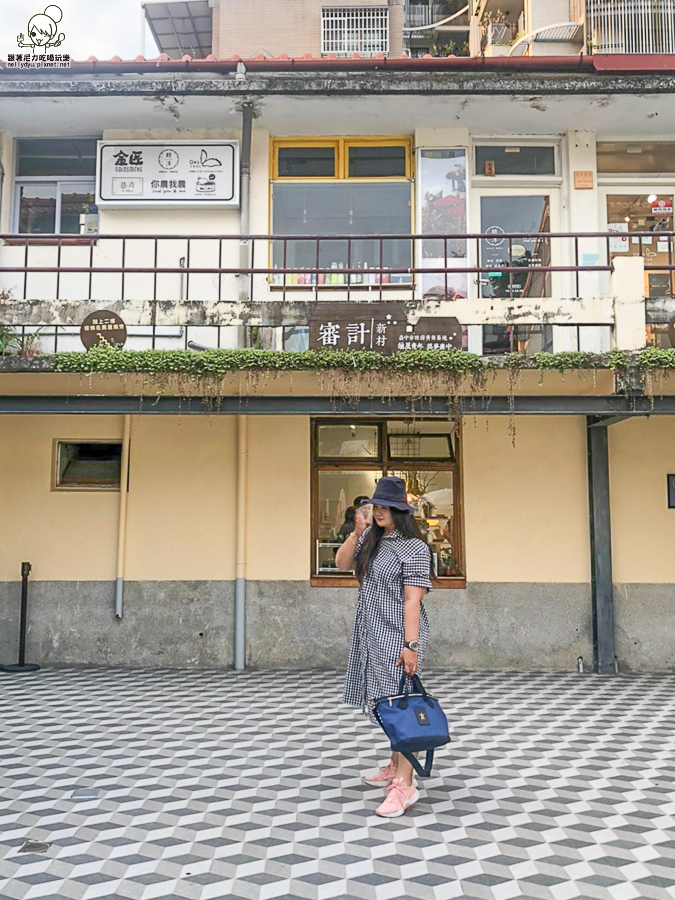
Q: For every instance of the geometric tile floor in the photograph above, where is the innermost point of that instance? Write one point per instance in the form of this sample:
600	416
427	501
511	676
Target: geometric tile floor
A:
213	784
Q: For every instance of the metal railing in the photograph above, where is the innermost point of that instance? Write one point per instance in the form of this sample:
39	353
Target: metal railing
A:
206	268
631	26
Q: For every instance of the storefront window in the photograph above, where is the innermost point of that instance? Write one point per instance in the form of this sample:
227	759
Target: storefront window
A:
342	187
55	188
651	214
350	458
660	336
527	339
645	158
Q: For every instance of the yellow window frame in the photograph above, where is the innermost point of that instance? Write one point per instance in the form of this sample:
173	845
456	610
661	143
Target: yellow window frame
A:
342	146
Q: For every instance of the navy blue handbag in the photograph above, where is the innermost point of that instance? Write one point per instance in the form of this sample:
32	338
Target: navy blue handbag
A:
413	721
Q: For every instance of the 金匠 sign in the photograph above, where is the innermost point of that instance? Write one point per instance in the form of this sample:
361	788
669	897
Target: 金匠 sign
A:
160	173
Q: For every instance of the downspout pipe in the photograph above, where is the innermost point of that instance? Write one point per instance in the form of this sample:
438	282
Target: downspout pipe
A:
244	195
122	521
240	545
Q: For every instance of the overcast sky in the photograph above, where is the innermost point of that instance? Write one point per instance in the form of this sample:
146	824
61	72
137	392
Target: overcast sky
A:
101	28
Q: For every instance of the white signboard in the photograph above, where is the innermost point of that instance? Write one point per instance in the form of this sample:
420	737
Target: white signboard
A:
167	173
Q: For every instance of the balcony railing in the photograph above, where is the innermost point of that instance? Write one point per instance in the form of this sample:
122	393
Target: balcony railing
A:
177	279
631	26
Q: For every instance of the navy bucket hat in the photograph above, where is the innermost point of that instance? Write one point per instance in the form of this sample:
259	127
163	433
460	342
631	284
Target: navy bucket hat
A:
391	492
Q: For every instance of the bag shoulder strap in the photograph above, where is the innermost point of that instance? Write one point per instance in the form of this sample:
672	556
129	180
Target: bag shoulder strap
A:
423	772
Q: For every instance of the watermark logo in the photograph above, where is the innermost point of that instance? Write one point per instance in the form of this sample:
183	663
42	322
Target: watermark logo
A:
42	33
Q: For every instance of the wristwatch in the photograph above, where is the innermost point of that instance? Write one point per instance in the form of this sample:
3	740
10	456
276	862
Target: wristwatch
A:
412	645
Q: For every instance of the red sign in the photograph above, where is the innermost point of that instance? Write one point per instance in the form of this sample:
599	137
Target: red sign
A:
662	207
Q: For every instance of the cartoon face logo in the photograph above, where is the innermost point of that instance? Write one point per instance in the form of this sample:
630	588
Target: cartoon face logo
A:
42	30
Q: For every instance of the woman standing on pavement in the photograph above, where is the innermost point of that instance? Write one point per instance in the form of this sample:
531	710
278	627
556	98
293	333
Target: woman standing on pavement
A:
391	629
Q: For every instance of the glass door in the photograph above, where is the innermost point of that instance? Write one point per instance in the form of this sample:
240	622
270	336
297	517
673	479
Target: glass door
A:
528	214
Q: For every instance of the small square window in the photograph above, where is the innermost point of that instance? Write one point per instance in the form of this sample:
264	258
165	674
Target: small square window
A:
351	441
377	162
92	465
515	160
50	156
306	162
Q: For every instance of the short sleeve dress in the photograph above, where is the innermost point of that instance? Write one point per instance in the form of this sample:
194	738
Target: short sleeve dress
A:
378	635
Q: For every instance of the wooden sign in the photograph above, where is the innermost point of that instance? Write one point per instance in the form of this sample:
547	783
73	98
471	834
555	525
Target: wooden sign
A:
382	327
356	326
583	181
433	333
103	324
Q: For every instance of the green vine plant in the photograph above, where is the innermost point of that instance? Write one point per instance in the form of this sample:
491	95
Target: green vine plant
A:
350	374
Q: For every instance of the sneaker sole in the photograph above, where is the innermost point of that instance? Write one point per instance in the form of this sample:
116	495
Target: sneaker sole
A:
395	815
376	783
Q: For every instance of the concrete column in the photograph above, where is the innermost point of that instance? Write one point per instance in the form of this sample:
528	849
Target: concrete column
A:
628	291
602	588
396	17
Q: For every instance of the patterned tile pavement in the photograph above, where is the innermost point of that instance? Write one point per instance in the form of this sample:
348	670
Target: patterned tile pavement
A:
202	785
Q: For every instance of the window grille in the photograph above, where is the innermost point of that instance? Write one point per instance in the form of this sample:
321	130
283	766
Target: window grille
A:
631	26
355	29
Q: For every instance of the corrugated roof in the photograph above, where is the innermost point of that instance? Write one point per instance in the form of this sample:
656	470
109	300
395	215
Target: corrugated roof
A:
180	28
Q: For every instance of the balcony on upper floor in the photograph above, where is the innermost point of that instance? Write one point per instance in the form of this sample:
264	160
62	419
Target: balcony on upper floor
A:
495	280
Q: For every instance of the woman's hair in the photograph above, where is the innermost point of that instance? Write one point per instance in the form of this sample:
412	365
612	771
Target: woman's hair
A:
404	523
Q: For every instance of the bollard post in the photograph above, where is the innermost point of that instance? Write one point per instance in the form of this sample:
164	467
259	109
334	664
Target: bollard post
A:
23	666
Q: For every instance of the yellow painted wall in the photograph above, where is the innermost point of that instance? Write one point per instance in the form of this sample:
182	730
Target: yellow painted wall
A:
66	535
181	499
526	507
641	455
279	521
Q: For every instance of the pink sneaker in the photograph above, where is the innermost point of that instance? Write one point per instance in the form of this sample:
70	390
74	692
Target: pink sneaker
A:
399	797
381	776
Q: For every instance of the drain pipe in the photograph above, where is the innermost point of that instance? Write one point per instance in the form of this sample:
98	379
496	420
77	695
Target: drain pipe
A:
122	522
240	546
244	194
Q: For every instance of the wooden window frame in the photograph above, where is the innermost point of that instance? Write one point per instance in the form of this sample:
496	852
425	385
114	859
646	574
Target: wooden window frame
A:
382	463
342	146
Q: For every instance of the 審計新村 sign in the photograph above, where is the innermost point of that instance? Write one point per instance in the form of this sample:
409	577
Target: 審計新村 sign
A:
161	173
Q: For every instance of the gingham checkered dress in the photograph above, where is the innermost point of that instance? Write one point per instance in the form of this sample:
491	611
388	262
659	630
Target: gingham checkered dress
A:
378	635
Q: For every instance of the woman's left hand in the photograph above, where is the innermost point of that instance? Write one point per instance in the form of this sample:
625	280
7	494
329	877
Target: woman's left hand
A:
408	659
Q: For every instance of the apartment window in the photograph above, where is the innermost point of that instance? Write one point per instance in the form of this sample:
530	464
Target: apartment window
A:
87	465
342	186
355	29
55	186
349	458
495	160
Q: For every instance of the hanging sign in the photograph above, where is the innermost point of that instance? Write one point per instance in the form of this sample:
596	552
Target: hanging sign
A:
103	324
160	174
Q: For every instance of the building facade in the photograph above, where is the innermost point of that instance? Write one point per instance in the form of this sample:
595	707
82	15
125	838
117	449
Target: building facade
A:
529	200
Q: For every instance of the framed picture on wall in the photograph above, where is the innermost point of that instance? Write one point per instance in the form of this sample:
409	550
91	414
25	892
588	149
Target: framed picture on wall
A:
671	492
